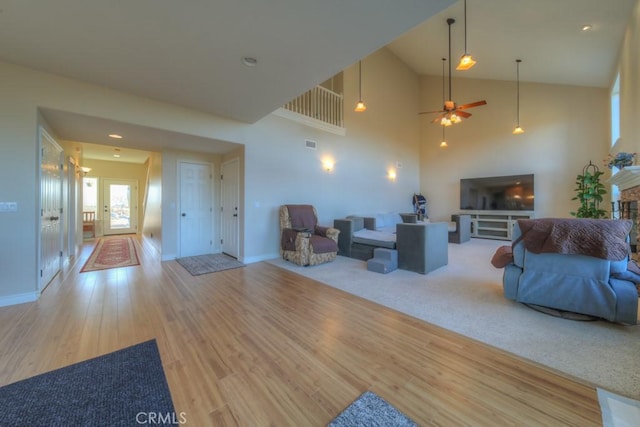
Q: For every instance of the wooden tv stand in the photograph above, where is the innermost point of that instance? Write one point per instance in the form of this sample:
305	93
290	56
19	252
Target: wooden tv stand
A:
494	224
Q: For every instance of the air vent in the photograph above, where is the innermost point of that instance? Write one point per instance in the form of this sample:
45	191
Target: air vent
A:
310	144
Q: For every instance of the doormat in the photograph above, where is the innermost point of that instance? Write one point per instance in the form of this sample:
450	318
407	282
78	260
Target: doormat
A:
210	263
113	252
124	388
371	410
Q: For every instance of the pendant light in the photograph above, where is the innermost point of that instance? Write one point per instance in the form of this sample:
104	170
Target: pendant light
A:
443	143
466	61
360	107
518	130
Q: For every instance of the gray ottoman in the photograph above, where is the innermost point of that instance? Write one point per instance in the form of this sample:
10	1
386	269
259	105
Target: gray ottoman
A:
383	261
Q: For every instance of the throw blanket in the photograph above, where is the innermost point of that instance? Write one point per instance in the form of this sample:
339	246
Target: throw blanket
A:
599	238
319	243
288	239
302	216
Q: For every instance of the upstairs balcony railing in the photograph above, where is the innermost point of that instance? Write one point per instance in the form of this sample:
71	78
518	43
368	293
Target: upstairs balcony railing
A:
320	104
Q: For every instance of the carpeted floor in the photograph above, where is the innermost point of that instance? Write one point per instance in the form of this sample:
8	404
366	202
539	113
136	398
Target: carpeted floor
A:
210	263
112	252
466	296
370	410
123	388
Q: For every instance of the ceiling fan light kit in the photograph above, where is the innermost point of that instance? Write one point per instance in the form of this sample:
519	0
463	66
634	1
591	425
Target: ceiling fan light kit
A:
451	113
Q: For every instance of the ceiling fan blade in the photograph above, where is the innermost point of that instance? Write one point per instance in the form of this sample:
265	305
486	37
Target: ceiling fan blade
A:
463	114
431	112
471	105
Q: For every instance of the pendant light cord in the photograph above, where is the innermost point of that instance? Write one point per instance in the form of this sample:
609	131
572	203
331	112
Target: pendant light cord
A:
450	21
443	91
518	91
465	27
360	80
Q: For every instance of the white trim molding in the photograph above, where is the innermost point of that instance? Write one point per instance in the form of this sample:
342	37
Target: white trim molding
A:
18	299
626	178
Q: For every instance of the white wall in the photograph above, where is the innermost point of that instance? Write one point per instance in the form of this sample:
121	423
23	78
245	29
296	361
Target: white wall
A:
629	66
152	226
278	169
565	128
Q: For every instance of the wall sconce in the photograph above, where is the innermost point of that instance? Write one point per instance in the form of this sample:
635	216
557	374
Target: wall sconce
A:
328	165
85	170
391	175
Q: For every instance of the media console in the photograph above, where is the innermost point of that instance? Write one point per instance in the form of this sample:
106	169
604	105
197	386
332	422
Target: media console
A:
494	224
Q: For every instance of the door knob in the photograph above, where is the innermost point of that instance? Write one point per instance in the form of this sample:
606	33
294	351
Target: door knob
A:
184	214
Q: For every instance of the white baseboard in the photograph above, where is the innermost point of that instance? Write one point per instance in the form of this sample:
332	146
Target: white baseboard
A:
168	257
251	260
18	299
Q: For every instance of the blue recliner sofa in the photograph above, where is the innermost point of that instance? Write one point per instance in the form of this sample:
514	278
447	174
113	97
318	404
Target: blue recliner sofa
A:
571	282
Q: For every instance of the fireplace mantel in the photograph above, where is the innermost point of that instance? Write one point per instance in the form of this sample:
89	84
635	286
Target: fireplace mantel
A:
626	178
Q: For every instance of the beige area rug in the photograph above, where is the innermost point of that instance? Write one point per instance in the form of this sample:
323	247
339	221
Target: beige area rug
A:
466	297
210	263
112	252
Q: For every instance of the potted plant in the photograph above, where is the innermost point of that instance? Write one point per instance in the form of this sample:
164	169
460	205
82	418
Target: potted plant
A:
620	160
589	192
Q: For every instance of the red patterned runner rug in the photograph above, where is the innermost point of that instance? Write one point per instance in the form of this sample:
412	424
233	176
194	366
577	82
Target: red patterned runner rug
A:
112	253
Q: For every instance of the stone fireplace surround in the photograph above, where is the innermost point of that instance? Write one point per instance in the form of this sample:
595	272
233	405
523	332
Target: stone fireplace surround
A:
628	182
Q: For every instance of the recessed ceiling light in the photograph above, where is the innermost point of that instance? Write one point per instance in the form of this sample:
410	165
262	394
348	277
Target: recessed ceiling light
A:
116	155
249	61
115	136
587	27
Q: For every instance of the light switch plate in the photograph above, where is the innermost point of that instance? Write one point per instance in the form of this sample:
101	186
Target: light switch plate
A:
8	206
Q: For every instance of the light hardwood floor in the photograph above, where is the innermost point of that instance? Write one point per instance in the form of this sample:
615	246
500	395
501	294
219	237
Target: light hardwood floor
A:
260	345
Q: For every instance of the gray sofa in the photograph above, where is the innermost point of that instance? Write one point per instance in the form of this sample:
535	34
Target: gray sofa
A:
422	247
460	229
361	247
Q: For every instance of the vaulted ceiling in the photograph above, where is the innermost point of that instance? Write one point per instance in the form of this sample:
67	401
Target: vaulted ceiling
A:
191	53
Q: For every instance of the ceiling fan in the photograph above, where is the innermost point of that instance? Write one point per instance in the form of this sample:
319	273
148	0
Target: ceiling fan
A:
451	112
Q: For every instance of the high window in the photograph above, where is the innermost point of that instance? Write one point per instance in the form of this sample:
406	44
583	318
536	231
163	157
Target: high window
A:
615	111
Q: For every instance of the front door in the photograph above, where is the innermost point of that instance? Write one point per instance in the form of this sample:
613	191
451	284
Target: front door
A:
120	214
229	203
196	209
50	208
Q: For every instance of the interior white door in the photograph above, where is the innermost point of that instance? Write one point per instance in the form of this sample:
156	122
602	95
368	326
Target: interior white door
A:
196	209
120	214
50	209
230	199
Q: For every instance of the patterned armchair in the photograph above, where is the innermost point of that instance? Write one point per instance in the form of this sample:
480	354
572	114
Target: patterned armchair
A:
303	241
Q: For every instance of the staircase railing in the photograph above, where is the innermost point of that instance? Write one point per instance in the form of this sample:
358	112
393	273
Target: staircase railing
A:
320	104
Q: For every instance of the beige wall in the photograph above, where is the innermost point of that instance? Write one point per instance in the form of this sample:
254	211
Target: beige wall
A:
152	226
171	200
629	66
566	127
103	169
280	170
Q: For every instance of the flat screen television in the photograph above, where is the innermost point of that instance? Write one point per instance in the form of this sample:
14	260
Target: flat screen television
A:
497	193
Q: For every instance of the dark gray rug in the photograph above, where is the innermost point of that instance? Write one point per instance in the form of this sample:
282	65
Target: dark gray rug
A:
203	264
370	410
123	388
